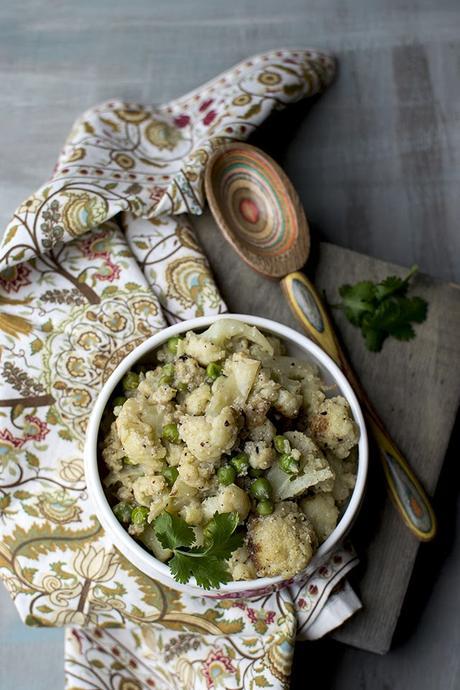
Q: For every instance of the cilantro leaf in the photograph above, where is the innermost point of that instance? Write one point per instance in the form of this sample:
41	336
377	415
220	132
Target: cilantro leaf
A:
373	337
180	568
393	285
211	572
357	300
173	532
383	309
207	563
390	286
415	308
220	531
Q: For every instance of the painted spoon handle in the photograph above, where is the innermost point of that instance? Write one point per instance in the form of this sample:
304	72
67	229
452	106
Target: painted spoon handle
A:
406	491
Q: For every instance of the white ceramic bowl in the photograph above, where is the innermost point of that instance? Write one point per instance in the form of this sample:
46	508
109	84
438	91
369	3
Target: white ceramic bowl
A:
297	345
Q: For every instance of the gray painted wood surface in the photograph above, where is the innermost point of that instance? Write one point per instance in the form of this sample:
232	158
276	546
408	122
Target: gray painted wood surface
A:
375	162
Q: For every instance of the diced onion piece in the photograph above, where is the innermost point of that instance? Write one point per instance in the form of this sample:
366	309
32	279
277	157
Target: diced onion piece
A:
233	390
314	469
284	488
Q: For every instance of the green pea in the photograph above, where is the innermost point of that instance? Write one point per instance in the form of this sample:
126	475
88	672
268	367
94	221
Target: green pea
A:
139	515
119	400
170	474
264	507
254	473
168	369
213	371
240	462
173	343
122	511
261	489
168	374
226	475
281	444
130	381
288	464
170	433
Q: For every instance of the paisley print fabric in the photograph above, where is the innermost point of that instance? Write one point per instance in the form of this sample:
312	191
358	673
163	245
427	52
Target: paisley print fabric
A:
95	261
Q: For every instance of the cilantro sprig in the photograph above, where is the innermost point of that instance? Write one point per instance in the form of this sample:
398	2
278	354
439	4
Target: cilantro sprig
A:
383	309
207	563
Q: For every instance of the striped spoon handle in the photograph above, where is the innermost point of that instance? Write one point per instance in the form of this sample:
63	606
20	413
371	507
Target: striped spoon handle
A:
405	489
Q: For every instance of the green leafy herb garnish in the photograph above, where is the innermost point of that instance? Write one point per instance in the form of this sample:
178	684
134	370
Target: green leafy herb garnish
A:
207	564
382	309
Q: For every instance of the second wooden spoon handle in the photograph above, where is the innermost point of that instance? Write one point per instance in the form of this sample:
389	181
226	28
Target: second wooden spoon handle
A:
406	491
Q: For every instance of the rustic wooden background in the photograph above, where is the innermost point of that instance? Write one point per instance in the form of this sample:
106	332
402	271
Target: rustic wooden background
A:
375	162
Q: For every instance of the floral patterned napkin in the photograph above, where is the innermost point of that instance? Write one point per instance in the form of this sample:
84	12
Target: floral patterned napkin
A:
101	257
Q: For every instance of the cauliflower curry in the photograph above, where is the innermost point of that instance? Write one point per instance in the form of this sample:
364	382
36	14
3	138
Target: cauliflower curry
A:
224	421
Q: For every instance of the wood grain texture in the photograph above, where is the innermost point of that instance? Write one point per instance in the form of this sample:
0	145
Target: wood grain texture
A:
375	162
272	235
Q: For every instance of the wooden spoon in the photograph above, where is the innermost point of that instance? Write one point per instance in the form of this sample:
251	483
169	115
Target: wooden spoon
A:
259	213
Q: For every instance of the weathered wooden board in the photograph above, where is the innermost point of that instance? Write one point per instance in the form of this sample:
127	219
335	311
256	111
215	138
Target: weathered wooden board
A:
415	386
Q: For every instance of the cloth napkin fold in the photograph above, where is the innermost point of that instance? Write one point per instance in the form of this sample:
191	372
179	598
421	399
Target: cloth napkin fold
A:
98	259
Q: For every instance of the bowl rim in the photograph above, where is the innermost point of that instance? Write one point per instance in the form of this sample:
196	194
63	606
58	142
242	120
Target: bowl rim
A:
126	543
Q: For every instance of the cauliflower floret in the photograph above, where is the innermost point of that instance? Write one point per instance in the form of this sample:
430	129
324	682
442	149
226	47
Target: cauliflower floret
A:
322	512
187	372
261	455
151	390
264	432
208	437
192	513
138	437
174	454
312	397
135	530
112	450
287	403
345	477
229	499
300	378
194	472
263	394
240	565
281	543
149	486
197	400
334	428
125	493
204	351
